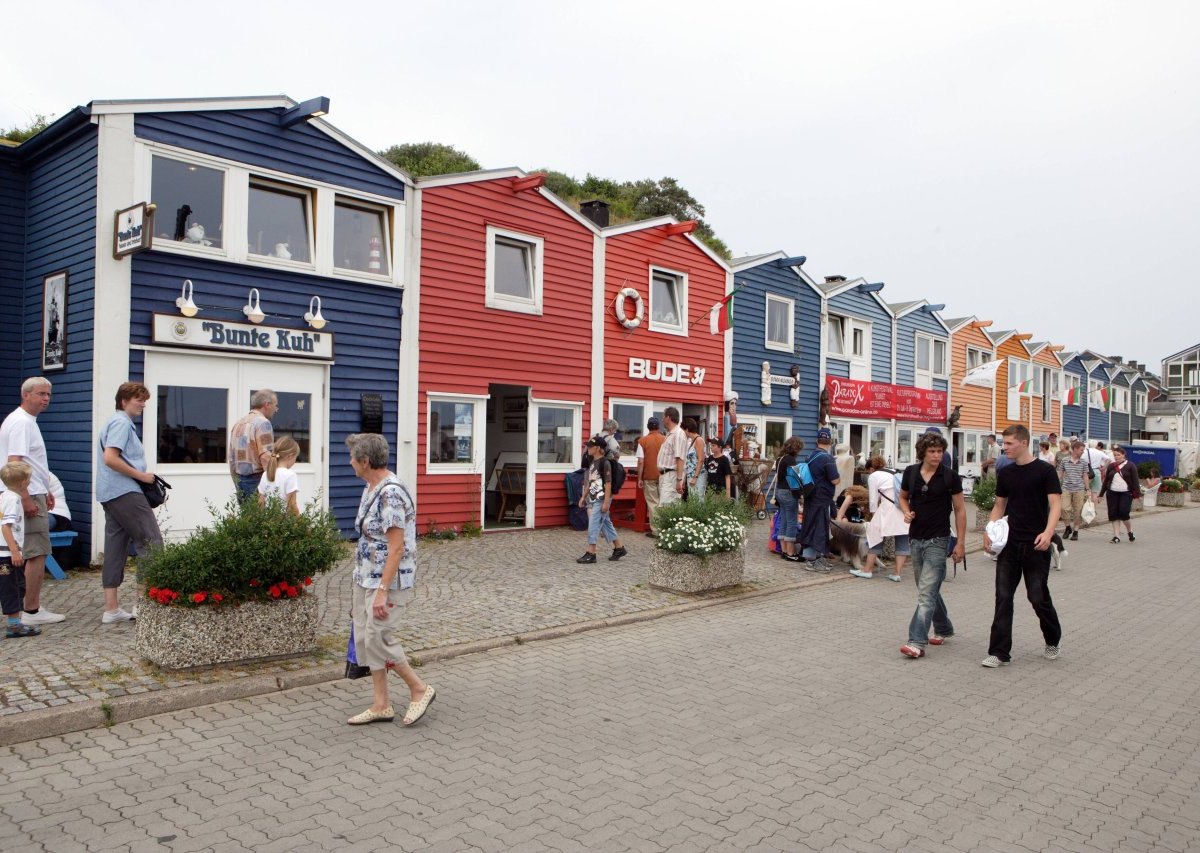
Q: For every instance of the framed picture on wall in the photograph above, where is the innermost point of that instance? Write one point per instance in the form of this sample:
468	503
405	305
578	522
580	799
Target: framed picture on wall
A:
515	405
54	321
514	424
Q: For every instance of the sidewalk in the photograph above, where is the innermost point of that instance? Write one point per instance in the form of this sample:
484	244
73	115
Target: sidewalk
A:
472	594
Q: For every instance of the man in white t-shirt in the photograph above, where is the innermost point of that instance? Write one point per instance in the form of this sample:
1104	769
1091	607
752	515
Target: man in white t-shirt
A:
21	441
1097	457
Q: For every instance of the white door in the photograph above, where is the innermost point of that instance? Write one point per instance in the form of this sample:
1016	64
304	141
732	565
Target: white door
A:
196	399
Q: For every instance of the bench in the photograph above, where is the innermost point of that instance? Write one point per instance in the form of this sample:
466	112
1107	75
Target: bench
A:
511	484
59	539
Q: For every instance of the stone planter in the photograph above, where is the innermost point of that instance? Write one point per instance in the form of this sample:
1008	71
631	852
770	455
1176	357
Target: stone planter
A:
1138	505
981	519
1195	495
689	573
180	637
1171	498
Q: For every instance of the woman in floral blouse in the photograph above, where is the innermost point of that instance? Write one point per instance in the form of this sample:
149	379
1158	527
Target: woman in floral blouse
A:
385	564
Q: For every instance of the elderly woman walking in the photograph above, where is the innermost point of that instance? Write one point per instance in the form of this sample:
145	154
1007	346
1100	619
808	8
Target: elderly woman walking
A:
385	565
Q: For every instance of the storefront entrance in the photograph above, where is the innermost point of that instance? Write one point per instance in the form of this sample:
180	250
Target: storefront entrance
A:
196	399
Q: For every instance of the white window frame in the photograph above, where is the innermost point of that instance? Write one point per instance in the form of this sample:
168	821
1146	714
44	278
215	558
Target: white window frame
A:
681	279
536	405
475	466
1140	402
933	371
286	188
842	323
503	301
1094	386
914	434
982	356
1072	380
941	371
236	212
388	213
652	406
767	421
790	305
849	326
1120	401
1023	370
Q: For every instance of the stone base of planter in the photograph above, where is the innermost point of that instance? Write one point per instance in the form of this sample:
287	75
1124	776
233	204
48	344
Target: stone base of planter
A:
689	573
1139	504
981	519
181	637
1171	498
1195	495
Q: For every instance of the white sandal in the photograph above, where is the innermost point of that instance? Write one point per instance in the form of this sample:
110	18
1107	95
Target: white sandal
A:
369	716
416	710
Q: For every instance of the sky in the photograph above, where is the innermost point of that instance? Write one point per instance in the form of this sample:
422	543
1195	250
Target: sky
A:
1034	164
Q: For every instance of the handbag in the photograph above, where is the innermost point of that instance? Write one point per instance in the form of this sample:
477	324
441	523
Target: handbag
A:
156	492
353	669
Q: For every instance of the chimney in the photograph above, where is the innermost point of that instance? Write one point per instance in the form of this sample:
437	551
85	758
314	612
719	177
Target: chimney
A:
597	211
834	279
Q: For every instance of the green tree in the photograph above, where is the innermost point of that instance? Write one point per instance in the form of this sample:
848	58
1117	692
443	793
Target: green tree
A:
21	134
430	158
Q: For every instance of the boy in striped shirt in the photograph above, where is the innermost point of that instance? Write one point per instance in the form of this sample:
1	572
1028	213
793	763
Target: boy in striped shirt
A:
16	477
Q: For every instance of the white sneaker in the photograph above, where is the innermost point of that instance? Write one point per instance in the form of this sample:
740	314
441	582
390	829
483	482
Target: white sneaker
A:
858	573
42	617
991	661
1051	653
118	615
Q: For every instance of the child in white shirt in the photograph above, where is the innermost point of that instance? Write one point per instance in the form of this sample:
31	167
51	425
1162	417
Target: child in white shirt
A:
279	481
16	477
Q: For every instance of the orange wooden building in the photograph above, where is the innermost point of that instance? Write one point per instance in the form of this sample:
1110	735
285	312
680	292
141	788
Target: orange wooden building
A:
970	346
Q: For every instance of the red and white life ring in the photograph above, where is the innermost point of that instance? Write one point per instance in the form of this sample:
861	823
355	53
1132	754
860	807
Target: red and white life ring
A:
639	308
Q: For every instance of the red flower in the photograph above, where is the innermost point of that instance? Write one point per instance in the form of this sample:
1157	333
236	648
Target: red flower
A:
198	597
292	592
274	591
217	597
154	592
254	582
308	581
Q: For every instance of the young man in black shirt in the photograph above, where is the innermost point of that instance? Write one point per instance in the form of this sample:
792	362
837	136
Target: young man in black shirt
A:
1029	493
720	471
928	490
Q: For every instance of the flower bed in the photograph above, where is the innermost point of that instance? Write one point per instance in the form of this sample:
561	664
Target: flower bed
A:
701	544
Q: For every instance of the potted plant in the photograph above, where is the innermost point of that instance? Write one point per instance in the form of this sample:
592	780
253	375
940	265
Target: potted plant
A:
237	590
1194	491
983	495
1171	493
700	545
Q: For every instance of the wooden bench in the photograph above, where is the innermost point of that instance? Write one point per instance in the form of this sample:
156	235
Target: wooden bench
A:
510	484
59	539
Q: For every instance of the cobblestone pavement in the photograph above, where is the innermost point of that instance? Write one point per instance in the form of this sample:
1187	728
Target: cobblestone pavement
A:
497	585
788	722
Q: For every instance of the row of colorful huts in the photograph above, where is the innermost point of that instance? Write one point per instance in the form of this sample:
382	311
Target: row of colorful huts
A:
212	247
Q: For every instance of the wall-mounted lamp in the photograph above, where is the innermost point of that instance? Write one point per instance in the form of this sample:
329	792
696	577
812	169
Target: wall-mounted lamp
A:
313	316
312	108
253	308
184	303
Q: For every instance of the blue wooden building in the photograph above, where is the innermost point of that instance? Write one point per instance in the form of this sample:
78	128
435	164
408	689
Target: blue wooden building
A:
921	359
1075	386
776	343
207	248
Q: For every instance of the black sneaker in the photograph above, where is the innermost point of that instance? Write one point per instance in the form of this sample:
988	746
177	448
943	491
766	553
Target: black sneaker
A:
1067	532
793	558
617	554
587	558
1075	536
1132	538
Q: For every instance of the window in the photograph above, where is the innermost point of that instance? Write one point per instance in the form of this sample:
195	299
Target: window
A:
192	424
191	202
976	357
514	271
971	443
1139	399
779	323
556	437
939	358
1071	382
1095	401
279	222
360	238
836	338
859	348
1018	373
905	446
930	360
632	417
923	353
878	439
294	418
1120	399
775	433
452	438
668	302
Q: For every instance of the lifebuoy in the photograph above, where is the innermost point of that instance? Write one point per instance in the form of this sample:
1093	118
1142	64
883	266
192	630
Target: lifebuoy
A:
639	308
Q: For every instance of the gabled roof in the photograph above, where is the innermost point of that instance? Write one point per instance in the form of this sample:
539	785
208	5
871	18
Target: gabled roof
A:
1183	351
430	182
747	261
661	222
902	308
778	259
1034	347
958	322
1000	337
1064	357
833	288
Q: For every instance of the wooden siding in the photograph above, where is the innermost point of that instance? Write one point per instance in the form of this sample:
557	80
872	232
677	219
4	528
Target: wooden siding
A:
1098	428
907	328
255	138
836	367
1119	421
1010	348
976	401
864	306
465	346
628	258
749	352
1045	358
12	265
365	319
60	234
1074	418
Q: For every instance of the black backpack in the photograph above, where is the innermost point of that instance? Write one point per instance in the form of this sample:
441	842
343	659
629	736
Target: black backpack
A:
617	473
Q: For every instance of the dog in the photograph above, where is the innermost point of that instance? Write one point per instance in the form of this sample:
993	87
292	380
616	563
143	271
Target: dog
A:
1057	552
848	542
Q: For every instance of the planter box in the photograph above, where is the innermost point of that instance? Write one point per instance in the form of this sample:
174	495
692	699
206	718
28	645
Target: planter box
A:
181	637
1171	498
1195	495
1138	505
981	519
689	573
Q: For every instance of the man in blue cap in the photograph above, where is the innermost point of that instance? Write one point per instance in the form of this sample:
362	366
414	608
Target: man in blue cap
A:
814	533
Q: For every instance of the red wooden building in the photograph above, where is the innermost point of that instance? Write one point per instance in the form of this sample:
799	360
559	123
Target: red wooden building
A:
658	271
502	318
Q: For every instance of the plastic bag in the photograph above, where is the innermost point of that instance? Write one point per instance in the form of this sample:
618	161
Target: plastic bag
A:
1088	513
353	670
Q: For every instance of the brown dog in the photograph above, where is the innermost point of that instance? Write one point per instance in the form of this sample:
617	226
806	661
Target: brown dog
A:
848	541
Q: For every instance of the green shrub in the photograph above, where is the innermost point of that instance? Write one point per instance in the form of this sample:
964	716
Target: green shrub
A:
250	553
1172	487
709	526
984	493
1147	468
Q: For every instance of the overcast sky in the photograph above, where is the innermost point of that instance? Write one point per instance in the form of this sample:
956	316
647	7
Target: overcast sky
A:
1031	163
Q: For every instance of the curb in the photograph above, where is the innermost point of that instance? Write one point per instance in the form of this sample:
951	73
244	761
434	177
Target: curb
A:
95	713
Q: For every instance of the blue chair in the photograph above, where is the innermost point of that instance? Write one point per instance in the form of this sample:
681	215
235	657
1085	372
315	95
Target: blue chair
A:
59	539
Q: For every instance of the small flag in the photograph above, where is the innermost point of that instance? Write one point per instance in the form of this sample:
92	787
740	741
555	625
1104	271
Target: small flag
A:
983	375
1022	387
720	316
1105	399
1071	397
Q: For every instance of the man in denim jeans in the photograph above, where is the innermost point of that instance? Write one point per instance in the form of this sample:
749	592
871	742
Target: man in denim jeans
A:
598	500
928	491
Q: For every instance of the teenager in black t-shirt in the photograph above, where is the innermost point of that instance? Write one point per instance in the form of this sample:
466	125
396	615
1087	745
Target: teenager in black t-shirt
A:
928	492
719	470
1029	494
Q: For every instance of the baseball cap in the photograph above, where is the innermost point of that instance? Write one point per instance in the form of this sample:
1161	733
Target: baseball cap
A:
598	441
933	430
823	434
653	423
